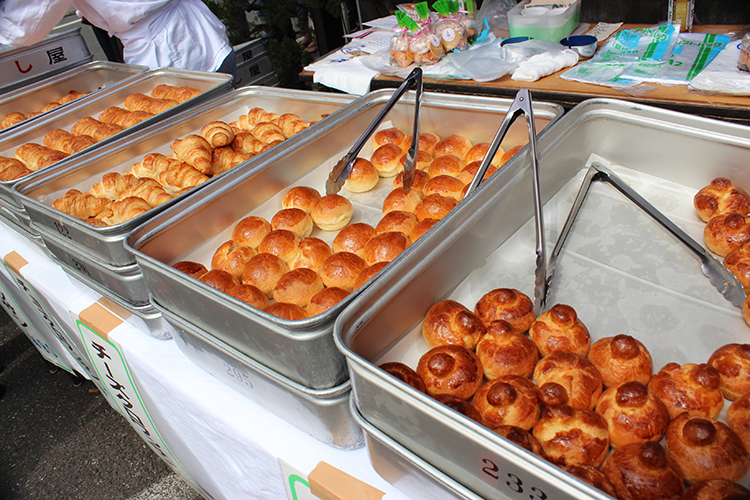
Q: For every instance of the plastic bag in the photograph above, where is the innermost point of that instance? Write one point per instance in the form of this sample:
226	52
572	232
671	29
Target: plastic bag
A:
491	61
722	75
652	44
494	15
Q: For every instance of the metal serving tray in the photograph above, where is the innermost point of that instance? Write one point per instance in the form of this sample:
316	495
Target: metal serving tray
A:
212	85
106	244
302	350
91	77
621	272
324	414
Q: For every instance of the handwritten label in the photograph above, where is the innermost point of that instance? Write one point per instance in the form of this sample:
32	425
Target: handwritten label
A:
514	483
238	375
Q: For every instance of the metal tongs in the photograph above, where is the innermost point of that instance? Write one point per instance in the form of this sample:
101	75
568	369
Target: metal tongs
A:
522	104
343	168
721	278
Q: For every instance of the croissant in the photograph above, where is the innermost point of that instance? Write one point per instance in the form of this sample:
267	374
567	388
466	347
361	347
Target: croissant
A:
12	119
194	150
95	128
36	157
12	169
287	117
152	165
226	158
81	205
179	94
181	176
111	185
148	189
123	117
245	142
293	127
218	134
70	96
268	132
125	209
142	102
66	142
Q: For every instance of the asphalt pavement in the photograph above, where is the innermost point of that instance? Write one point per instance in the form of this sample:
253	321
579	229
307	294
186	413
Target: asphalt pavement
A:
61	440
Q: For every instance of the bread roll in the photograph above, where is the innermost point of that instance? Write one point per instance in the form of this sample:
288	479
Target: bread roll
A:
385	247
363	177
522	438
721	197
621	358
353	238
295	220
633	414
393	135
386	160
738	419
717	489
567	378
460	405
312	253
470	170
397	220
445	185
250	295
325	299
560	329
593	476
732	361
504	352
643	470
508	400
434	206
400	200
727	232
449	322
738	263
297	286
332	212
509	153
746	310
286	311
478	151
404	373
446	165
507	304
456	145
704	448
232	258
301	197
690	387
264	271
421	228
194	269
281	243
220	280
422	162
572	437
427	142
418	183
250	231
341	270
450	369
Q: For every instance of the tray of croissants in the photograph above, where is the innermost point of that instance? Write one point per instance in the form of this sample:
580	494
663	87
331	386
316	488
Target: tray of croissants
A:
98	200
62	137
632	382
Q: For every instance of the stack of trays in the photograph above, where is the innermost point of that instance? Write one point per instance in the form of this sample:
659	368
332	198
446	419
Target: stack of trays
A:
96	255
619	270
301	352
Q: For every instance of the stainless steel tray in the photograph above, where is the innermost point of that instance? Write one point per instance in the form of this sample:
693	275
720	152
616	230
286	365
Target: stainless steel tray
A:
302	350
37	194
92	77
212	85
619	270
324	414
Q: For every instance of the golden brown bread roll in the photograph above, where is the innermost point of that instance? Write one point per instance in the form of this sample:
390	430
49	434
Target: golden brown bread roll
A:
325	299
297	286
386	158
643	470
732	361
385	247
593	476
633	414
727	232
505	352
250	231
301	197
220	280
421	163
281	243
421	228
690	387
621	358
717	489
397	220
427	142
456	145
232	258
445	185
332	212
353	238
704	448
470	170
434	206
400	200
510	153
738	263
218	134
560	329
341	270
567	378
522	438
450	369
250	295
295	220
312	253
363	177
446	165
572	437
478	151
286	311
721	197
195	151
194	269
449	322
404	373
508	400
264	271
368	273
12	169
738	419
418	183
746	310
460	405
393	135
507	304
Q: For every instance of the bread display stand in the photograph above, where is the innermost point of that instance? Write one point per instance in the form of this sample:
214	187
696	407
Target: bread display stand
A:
621	271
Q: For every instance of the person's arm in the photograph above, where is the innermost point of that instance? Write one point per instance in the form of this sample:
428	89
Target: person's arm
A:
25	22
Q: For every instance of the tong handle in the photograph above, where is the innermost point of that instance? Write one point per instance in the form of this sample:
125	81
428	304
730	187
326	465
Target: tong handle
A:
408	176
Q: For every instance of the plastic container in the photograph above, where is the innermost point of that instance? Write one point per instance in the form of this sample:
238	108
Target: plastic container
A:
543	23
